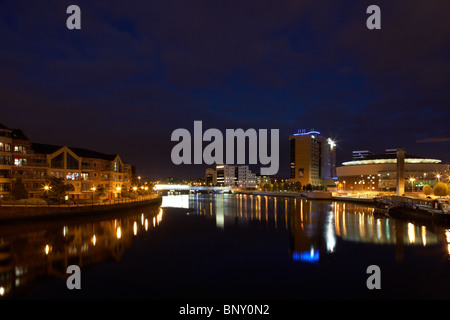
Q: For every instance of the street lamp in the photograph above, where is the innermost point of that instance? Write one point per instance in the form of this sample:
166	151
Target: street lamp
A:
412	183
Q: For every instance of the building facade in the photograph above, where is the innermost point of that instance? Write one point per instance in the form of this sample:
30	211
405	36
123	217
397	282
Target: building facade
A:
34	164
231	176
379	173
312	158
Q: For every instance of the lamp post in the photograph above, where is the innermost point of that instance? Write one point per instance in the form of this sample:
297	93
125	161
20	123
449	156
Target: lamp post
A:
93	193
412	183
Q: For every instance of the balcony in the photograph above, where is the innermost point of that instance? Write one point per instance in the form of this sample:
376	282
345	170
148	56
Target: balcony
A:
30	177
33	164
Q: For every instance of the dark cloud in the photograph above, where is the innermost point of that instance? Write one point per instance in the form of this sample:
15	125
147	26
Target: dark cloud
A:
138	70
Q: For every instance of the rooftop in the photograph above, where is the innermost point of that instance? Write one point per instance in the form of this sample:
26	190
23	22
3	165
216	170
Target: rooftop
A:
389	158
85	153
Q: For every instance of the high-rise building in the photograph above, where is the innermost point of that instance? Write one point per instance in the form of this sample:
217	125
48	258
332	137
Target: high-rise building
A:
312	158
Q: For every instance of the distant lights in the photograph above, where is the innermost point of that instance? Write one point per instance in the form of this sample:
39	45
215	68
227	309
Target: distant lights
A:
331	142
304	133
384	161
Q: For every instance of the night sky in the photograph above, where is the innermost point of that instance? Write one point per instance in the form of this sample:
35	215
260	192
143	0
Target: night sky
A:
138	70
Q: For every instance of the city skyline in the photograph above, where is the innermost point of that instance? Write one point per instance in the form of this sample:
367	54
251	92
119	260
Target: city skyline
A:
135	73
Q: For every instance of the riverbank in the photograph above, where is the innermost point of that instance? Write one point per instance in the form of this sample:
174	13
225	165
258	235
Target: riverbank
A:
311	195
13	212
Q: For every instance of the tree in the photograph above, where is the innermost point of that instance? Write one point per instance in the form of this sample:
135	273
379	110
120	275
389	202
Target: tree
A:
440	189
426	190
275	186
58	189
19	191
125	193
101	191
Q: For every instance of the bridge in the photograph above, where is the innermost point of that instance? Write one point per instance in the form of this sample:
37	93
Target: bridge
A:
185	187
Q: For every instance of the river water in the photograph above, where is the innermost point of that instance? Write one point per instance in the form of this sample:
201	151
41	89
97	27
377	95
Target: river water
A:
227	246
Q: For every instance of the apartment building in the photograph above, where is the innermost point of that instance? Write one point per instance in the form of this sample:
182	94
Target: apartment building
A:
36	163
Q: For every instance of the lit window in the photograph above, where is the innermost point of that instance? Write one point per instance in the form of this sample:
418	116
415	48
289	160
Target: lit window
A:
20	162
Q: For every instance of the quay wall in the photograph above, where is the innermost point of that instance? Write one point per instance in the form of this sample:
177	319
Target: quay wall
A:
11	212
313	195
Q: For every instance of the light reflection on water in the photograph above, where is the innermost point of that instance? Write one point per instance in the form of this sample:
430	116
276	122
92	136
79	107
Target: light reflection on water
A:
314	226
29	251
315	229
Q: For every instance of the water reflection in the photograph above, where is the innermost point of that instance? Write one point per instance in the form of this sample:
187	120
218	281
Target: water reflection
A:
29	251
314	227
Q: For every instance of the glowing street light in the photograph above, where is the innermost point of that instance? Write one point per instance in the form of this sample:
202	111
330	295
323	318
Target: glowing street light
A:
412	183
93	193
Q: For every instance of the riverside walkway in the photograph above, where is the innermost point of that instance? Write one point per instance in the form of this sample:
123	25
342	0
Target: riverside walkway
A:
18	211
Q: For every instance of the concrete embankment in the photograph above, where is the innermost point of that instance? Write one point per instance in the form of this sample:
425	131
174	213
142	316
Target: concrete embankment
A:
12	212
313	195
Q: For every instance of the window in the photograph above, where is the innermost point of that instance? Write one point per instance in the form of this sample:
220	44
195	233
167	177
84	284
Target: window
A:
72	176
58	161
72	163
20	149
20	161
84	176
5	173
39	174
5	146
57	174
5	187
5	160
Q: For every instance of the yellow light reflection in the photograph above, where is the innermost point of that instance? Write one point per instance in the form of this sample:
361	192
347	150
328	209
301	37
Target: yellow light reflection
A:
424	236
119	233
411	233
94	239
135	228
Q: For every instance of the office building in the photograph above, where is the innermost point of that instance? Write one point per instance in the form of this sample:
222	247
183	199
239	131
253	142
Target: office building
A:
231	176
211	177
312	158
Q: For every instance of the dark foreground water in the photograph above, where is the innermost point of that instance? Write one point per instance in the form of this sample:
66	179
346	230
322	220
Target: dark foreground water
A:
227	247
